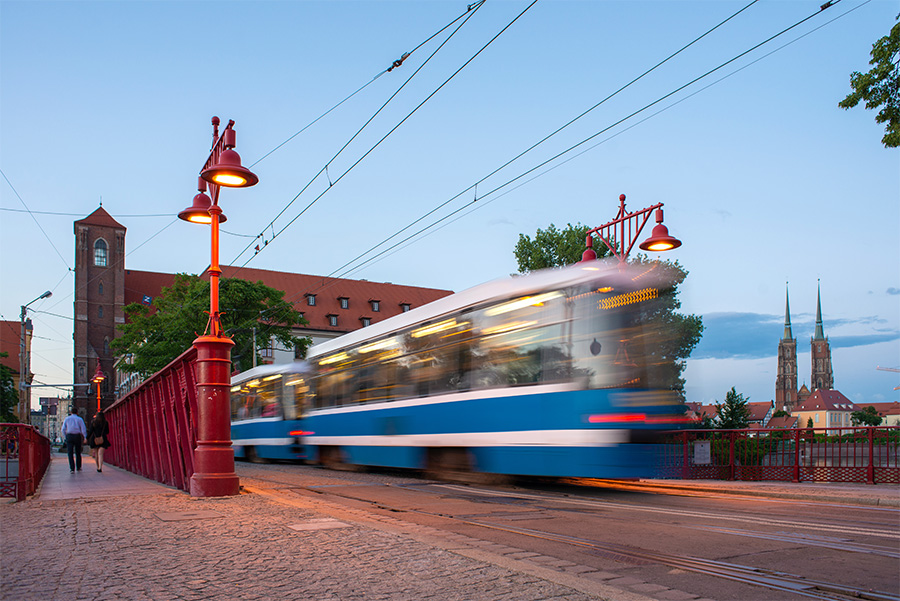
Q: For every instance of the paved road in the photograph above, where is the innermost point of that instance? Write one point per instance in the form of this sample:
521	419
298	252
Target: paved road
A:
118	536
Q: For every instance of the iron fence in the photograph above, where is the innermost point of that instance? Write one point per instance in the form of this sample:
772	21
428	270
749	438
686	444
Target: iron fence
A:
853	454
153	429
24	457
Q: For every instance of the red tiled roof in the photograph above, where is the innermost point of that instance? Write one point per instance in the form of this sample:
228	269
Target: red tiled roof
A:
883	409
785	421
100	217
826	400
758	411
297	287
10	331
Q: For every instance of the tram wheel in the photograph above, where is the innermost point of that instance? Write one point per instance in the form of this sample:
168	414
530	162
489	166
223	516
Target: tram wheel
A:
332	458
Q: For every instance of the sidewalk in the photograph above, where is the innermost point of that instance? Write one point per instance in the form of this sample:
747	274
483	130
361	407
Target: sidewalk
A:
849	493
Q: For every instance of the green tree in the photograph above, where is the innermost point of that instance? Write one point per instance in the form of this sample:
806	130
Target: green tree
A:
880	86
154	338
809	423
555	248
866	417
9	397
781	413
734	413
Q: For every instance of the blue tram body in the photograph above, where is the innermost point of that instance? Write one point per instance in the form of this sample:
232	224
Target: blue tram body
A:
558	373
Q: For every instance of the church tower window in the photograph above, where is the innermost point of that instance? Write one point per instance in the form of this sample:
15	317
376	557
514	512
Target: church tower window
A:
101	252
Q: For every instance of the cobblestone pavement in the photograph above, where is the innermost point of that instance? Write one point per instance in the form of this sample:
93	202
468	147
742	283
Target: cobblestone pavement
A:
170	546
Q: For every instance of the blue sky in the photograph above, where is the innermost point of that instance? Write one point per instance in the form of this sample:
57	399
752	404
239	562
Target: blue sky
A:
764	178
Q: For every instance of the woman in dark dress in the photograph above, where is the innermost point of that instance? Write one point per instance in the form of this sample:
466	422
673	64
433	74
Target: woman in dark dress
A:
98	438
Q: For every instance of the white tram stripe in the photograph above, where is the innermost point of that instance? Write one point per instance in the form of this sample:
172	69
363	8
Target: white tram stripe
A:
531	438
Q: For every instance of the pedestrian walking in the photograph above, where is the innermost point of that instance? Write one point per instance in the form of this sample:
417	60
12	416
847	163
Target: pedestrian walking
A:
75	431
98	438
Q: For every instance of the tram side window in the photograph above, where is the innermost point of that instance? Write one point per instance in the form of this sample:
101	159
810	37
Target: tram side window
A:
296	393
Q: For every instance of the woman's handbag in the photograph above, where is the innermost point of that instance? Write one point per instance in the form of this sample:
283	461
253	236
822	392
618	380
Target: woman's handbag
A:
98	440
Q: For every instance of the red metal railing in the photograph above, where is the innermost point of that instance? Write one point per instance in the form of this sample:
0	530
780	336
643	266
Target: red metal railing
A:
153	430
860	454
24	457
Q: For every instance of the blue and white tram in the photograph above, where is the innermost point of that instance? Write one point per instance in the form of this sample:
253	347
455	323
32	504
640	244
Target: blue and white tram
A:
267	403
556	373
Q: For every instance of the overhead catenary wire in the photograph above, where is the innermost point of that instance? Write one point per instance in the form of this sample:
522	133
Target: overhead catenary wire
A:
30	212
336	273
474	187
397	63
291	222
470	10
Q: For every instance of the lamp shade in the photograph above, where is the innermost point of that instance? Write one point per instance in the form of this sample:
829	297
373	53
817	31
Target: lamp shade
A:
229	172
198	212
660	240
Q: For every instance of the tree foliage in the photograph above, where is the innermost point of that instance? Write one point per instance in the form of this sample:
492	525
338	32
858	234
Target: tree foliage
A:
155	338
555	248
781	413
734	413
866	417
9	397
880	86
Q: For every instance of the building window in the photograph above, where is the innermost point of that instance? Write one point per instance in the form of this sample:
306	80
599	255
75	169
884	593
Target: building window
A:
311	300
366	321
404	307
100	311
100	252
106	346
100	288
332	320
376	305
345	302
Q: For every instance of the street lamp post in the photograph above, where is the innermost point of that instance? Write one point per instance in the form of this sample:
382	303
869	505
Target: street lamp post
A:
97	379
214	474
621	233
25	365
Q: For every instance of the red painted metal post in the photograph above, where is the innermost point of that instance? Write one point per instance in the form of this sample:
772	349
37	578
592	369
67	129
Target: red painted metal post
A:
214	474
731	455
685	470
796	470
870	476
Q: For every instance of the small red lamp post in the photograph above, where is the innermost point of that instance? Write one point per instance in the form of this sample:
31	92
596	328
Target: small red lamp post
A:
621	233
97	379
214	474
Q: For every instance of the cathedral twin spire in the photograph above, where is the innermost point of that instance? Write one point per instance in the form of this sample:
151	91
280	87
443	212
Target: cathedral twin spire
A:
821	376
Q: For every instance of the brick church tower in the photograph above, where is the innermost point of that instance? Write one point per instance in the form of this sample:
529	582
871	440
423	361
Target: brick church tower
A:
786	378
99	303
822	377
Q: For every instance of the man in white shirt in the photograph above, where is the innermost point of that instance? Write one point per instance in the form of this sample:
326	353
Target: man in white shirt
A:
75	432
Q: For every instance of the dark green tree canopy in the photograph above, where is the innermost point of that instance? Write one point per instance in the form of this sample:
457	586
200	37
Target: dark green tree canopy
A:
866	417
555	248
880	86
156	338
734	413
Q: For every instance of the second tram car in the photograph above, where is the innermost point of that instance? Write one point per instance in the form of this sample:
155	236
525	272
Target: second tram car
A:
558	373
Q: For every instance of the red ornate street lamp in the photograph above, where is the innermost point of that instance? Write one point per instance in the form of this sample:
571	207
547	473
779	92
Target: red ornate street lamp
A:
621	233
214	474
97	379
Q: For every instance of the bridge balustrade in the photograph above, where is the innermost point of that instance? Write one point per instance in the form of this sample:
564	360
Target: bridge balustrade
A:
853	454
153	429
24	457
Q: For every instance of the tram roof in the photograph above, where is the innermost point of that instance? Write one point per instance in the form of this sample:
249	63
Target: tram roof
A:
609	270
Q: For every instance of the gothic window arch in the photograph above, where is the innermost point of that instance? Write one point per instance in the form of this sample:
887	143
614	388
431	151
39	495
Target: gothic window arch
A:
101	253
100	288
106	346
